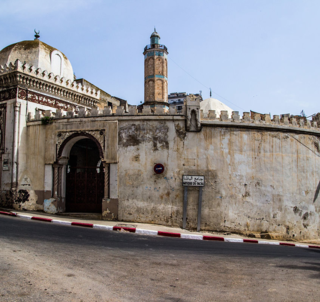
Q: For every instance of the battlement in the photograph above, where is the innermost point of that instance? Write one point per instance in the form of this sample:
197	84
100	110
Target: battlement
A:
261	119
107	111
49	77
247	117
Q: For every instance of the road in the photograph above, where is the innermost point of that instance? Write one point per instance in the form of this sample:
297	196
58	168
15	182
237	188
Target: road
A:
45	262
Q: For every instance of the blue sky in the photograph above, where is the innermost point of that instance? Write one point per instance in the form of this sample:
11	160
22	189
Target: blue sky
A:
255	54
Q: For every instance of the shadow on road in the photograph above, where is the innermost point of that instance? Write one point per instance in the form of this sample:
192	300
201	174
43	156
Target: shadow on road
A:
310	266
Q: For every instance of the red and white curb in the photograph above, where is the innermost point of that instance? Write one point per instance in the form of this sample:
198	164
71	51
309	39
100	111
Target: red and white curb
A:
158	233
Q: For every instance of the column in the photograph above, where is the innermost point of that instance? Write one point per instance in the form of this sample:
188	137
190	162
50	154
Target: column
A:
55	180
106	180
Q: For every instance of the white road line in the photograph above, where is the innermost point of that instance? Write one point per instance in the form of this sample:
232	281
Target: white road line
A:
192	236
302	245
24	216
233	240
269	242
103	227
146	232
61	222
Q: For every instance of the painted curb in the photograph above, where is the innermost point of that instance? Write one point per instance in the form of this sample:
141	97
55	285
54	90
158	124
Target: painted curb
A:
158	233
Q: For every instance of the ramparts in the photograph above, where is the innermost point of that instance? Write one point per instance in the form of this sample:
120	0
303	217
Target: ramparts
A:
248	119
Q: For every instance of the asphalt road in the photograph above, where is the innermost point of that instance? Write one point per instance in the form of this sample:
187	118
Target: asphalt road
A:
46	262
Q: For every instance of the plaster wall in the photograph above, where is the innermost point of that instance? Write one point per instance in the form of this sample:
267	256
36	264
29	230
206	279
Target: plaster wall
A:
7	174
256	181
33	175
30	157
38	152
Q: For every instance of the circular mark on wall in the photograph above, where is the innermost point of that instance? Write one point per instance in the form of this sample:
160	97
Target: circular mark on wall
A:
158	168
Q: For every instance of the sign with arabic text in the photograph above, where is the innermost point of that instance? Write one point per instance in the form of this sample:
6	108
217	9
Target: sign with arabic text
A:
193	181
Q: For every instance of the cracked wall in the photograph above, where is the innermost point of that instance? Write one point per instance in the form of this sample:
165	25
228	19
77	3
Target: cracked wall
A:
256	181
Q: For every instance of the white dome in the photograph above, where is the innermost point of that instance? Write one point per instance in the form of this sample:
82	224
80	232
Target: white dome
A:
40	55
214	104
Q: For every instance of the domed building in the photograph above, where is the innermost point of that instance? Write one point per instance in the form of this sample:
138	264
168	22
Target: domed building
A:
39	55
214	104
59	152
37	82
40	60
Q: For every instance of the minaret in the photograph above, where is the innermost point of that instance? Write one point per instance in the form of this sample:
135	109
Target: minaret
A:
155	72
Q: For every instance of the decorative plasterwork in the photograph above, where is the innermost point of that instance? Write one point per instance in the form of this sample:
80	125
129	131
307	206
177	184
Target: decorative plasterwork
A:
64	136
8	94
22	94
38	73
42	81
48	101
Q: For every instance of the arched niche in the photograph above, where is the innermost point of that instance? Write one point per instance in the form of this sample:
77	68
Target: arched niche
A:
57	63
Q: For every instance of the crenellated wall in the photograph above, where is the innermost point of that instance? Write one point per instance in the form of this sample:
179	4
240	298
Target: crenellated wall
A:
261	173
256	180
38	75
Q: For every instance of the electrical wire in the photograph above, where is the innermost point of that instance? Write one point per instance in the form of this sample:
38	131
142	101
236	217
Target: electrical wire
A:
204	84
304	145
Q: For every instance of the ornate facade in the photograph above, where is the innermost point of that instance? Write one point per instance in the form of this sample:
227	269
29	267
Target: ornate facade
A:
68	146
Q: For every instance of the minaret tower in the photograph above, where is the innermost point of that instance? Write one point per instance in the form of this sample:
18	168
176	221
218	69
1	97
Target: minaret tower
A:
155	72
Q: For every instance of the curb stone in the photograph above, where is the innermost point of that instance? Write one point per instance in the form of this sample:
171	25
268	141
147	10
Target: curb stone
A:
157	233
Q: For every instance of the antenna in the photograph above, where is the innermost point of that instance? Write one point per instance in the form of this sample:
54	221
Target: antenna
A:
210	93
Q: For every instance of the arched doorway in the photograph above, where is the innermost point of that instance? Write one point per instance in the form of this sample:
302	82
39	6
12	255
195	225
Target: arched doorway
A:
84	178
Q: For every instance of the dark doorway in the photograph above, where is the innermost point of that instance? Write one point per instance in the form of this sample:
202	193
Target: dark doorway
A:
85	178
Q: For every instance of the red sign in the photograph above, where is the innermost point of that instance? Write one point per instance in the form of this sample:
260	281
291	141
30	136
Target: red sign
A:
158	168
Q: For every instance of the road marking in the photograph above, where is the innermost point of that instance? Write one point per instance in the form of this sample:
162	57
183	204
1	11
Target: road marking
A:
192	236
103	227
82	224
268	242
169	234
41	219
213	238
302	245
233	240
61	222
146	232
24	216
155	233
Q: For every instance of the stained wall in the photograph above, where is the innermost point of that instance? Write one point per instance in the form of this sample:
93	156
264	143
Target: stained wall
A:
256	181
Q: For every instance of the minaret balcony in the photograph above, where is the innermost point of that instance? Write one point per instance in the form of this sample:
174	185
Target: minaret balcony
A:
158	46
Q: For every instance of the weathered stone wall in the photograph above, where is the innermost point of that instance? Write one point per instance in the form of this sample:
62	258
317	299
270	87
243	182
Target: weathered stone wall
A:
256	180
259	177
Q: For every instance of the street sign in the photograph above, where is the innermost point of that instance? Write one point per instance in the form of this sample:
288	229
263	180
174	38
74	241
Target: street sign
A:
192	181
158	168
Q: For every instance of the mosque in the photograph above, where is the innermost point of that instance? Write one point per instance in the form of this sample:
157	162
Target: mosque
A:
68	146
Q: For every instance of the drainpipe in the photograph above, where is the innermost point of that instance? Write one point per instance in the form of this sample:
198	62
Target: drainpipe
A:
15	152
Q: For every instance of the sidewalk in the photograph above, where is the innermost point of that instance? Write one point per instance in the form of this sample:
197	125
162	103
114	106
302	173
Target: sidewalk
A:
150	229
